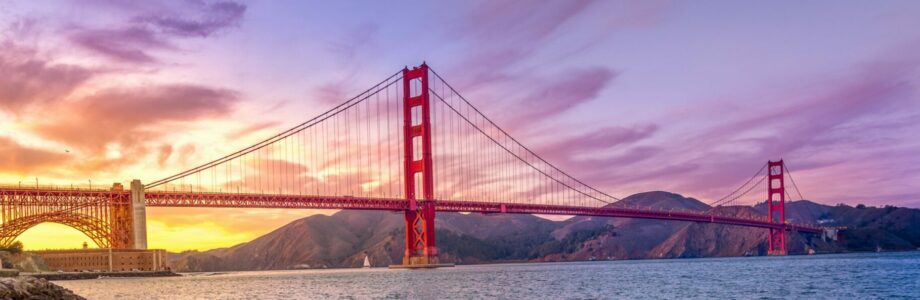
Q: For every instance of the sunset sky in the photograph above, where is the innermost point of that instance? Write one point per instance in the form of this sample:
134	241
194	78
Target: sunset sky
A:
685	97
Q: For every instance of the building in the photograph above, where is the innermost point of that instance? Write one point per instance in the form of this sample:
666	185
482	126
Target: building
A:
105	260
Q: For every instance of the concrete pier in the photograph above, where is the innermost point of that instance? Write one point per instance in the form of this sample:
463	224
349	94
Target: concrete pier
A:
139	214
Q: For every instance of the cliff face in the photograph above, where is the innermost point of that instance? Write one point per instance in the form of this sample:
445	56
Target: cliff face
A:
343	239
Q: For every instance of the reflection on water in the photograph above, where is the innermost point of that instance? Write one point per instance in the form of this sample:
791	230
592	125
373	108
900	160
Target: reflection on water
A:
870	275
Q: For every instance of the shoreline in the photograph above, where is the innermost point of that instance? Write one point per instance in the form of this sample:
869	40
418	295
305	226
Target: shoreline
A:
97	275
513	262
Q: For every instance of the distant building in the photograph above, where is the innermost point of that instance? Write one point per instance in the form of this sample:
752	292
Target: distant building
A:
104	259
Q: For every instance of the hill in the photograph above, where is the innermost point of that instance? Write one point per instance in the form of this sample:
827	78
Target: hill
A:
342	240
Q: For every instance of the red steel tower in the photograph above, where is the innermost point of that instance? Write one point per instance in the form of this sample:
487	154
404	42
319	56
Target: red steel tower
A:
776	206
420	239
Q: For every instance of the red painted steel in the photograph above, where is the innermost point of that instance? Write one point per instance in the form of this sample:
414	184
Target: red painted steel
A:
700	217
246	200
108	232
776	206
103	215
170	199
420	215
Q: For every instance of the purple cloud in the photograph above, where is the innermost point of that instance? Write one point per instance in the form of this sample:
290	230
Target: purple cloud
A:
504	35
213	18
350	48
573	89
601	139
843	126
29	79
155	27
130	44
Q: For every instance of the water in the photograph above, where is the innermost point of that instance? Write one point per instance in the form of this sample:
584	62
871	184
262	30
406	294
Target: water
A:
847	276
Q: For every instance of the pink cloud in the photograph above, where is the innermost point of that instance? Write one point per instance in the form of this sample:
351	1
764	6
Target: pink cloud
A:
17	158
127	115
255	127
165	151
29	80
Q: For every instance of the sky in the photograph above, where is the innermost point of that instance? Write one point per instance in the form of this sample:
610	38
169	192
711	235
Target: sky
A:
685	97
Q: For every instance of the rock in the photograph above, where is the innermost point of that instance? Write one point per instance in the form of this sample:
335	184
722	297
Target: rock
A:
25	287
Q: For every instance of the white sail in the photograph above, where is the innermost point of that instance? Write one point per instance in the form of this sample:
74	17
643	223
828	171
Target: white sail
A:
367	262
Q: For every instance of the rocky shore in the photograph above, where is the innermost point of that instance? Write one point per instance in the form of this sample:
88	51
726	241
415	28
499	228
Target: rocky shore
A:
25	287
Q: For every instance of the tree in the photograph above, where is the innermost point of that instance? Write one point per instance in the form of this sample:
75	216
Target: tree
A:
14	248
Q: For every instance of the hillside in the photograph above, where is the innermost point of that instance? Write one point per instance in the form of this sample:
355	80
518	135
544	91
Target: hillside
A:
341	240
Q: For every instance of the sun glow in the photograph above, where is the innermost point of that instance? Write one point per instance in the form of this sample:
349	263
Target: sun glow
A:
54	236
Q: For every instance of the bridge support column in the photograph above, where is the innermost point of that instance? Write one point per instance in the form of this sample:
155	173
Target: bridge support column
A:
776	207
421	249
138	215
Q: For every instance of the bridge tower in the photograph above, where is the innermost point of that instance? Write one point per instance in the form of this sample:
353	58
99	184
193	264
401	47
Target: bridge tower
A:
420	237
776	206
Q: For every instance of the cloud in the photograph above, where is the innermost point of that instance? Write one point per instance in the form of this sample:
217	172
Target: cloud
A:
29	80
20	159
503	35
335	92
600	139
559	96
131	44
128	115
350	49
165	151
832	130
185	153
157	27
250	129
212	17
350	44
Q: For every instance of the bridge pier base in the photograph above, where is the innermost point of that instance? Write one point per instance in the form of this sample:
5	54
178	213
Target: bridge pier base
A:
421	250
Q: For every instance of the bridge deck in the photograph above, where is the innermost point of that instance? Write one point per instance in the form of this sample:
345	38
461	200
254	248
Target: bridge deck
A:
45	196
179	199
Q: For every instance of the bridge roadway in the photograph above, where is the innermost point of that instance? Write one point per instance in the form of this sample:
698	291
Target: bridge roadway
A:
81	198
181	199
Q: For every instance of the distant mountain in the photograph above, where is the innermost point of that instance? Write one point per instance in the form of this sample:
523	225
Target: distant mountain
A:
343	239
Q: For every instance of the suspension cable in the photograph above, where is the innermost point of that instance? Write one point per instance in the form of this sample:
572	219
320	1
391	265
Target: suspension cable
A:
762	167
517	156
793	182
309	123
519	143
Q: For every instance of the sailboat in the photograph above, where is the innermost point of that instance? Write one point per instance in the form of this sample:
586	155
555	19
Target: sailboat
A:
367	262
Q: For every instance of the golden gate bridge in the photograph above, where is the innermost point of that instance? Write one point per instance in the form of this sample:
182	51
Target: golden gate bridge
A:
410	143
